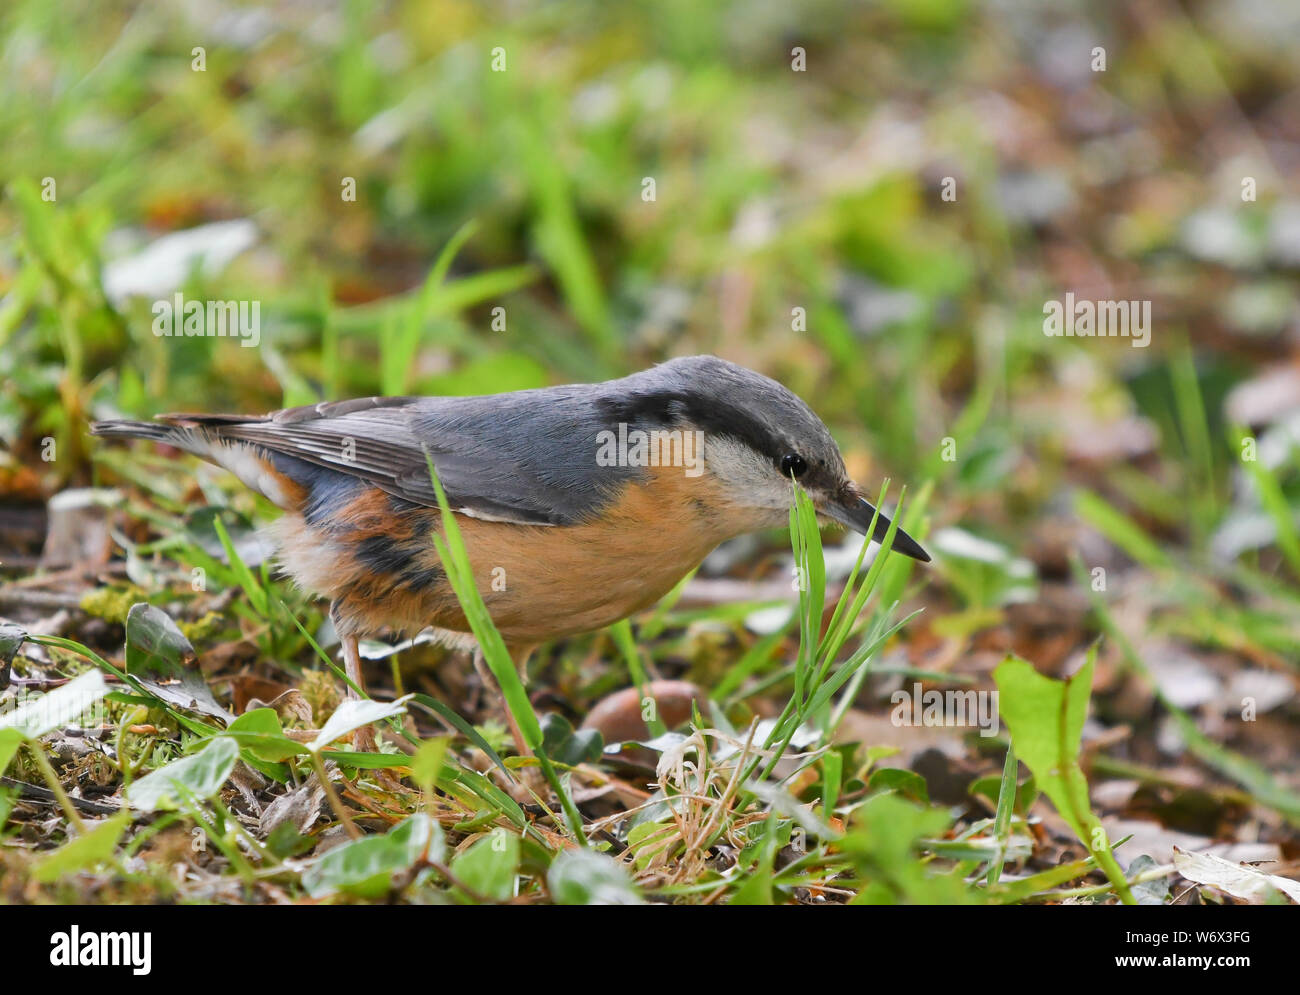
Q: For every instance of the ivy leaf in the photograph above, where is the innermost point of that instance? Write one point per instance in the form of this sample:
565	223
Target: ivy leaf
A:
51	711
199	775
160	657
87	850
490	865
584	877
1154	892
563	744
259	732
352	715
366	867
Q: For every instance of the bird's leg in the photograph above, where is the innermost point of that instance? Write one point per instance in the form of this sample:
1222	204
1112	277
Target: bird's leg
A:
363	739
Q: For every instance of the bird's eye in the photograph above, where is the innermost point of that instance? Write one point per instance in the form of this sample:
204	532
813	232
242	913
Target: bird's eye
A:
793	465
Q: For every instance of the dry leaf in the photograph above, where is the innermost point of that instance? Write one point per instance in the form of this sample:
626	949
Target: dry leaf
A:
1237	880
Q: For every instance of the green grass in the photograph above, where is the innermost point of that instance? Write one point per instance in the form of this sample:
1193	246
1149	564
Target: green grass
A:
731	791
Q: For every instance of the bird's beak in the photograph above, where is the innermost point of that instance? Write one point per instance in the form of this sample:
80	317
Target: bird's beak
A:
855	512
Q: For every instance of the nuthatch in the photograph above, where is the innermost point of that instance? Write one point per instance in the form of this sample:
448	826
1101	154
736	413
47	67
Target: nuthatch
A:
579	505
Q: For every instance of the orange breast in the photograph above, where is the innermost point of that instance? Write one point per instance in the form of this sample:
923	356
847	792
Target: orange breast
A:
539	582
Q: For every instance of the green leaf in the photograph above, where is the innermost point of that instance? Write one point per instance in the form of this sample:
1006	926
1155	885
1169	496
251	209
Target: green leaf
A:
85	851
810	567
1006	803
60	707
160	657
1274	501
1153	892
257	595
498	801
199	775
886	831
490	865
353	715
460	575
1010	893
368	761
365	867
10	740
621	632
907	783
286	841
202	532
7	798
567	746
1046	718
756	888
649	839
584	877
990	787
260	733
463	727
426	765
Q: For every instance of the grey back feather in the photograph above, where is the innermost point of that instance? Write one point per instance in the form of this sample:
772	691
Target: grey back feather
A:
530	456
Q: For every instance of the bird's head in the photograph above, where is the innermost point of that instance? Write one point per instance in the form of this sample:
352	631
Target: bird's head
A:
757	436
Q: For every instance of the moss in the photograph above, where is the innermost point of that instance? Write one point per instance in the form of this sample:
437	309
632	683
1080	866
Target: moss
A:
204	629
321	692
112	603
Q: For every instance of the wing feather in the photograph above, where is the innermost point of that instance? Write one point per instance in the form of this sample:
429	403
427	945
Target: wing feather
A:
514	462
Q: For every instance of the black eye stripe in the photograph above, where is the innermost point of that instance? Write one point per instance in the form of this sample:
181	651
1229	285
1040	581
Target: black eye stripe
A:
793	465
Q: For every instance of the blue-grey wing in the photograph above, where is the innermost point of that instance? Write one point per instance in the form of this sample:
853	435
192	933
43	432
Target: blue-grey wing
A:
527	457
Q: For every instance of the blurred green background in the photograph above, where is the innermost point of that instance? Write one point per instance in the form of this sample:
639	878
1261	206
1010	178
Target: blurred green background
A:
870	202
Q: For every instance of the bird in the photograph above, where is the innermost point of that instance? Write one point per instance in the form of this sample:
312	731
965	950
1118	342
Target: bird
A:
579	505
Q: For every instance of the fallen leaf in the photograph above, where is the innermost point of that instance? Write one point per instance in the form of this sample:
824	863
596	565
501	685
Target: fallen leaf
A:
1237	880
160	657
299	807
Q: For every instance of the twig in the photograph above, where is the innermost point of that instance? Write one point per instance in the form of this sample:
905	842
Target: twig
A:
34	792
44	600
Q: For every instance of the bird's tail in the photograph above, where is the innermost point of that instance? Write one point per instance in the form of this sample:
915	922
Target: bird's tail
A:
194	433
185	436
202	436
157	431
